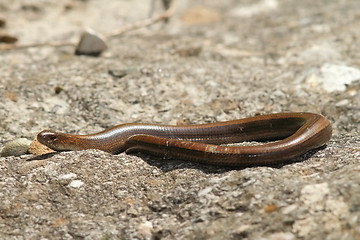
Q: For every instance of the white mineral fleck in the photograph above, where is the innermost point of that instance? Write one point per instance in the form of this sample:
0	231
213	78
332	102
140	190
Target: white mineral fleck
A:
255	8
67	176
336	77
76	183
205	191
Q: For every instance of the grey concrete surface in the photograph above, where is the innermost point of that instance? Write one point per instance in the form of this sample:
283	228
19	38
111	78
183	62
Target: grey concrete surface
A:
213	61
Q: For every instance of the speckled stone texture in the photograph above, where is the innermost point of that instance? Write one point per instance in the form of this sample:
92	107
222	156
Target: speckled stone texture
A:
213	61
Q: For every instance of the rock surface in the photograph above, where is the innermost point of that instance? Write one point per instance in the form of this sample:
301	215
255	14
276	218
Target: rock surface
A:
226	67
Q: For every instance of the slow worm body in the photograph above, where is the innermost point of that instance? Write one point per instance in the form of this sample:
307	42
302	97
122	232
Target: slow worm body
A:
296	133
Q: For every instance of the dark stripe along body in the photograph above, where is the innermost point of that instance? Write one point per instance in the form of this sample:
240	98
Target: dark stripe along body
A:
298	133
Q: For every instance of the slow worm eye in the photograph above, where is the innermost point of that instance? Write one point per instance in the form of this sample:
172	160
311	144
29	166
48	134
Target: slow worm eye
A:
52	137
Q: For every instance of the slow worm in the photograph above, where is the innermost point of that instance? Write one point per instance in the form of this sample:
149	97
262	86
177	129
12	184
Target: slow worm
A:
296	133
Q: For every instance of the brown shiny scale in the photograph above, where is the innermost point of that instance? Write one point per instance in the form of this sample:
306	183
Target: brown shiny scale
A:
298	133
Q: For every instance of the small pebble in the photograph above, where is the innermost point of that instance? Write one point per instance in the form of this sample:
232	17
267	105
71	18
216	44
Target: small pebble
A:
6	38
117	73
2	23
16	147
90	44
120	73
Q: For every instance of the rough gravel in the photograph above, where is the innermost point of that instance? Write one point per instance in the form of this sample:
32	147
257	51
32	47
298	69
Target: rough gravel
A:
213	61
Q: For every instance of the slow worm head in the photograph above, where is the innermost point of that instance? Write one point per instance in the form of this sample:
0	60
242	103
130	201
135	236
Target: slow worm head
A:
296	133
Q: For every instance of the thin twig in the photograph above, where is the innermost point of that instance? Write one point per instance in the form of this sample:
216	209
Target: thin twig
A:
44	44
144	23
127	28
